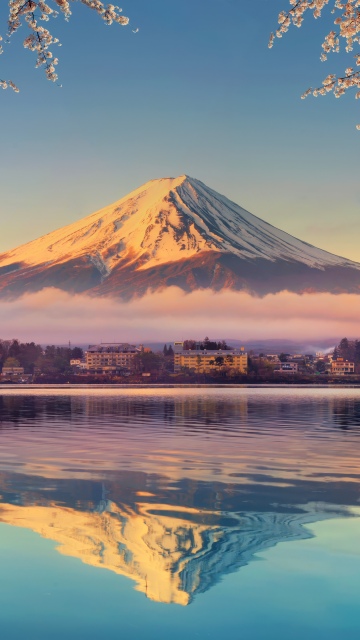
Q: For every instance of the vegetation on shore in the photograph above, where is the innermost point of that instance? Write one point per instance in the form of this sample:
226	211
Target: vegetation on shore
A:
51	365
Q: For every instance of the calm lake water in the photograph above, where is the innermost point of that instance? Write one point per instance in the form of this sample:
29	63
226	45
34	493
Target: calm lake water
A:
198	513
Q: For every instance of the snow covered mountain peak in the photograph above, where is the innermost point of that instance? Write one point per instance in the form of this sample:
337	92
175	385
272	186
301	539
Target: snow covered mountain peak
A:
173	231
147	224
166	220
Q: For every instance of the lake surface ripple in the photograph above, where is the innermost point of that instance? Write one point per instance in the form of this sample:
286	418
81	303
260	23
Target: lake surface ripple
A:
233	511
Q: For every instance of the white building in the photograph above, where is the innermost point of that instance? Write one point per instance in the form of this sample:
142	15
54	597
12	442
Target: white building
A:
110	357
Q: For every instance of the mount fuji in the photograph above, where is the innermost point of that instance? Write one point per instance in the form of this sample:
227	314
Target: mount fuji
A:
173	231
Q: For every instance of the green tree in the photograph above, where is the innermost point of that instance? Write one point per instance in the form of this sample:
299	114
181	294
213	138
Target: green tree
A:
28	354
45	365
189	345
14	349
54	360
61	364
148	362
346	349
320	366
50	351
357	351
4	348
11	363
76	353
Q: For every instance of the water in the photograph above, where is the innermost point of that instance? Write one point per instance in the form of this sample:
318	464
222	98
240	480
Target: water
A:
200	512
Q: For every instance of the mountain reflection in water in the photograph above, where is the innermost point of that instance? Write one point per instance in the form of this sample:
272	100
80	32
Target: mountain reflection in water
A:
175	490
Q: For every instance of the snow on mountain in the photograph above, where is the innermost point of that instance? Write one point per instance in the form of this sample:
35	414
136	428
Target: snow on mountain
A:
171	558
161	219
165	221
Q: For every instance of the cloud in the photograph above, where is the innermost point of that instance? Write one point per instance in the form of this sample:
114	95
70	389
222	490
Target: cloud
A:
55	316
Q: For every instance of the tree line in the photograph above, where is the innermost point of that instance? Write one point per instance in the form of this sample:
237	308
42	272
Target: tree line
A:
206	344
31	356
349	350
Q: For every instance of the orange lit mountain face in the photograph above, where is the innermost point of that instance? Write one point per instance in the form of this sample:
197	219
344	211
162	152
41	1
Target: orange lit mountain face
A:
173	232
171	553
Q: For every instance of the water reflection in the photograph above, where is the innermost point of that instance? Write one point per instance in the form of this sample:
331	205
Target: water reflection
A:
174	492
173	542
347	414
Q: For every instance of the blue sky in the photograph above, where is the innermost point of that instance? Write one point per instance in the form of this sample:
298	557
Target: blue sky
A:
196	91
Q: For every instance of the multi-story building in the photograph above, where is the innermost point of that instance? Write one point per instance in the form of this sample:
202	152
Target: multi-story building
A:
341	367
111	357
205	361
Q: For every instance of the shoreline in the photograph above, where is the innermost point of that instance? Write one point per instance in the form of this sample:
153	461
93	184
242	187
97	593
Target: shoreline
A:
29	387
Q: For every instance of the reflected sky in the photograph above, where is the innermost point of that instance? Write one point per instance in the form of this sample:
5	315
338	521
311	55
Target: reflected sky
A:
179	489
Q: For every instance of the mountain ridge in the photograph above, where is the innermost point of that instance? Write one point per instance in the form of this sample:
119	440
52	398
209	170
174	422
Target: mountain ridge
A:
173	231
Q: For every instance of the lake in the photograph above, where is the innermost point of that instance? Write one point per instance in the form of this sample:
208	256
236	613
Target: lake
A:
204	513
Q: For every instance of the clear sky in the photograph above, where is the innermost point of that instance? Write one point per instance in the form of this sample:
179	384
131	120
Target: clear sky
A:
195	91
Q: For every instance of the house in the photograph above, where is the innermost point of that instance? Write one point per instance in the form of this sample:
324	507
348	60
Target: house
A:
341	367
12	372
207	360
78	364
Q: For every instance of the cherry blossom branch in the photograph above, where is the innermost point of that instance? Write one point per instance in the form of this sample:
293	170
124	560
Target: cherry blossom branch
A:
348	23
32	12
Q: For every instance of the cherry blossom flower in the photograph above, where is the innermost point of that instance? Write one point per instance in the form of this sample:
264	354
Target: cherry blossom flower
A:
40	40
346	35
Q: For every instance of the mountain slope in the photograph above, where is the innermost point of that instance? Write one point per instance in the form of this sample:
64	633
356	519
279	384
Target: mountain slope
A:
173	231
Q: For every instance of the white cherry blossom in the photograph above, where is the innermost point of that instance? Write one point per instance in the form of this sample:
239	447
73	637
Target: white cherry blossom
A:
40	40
346	35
